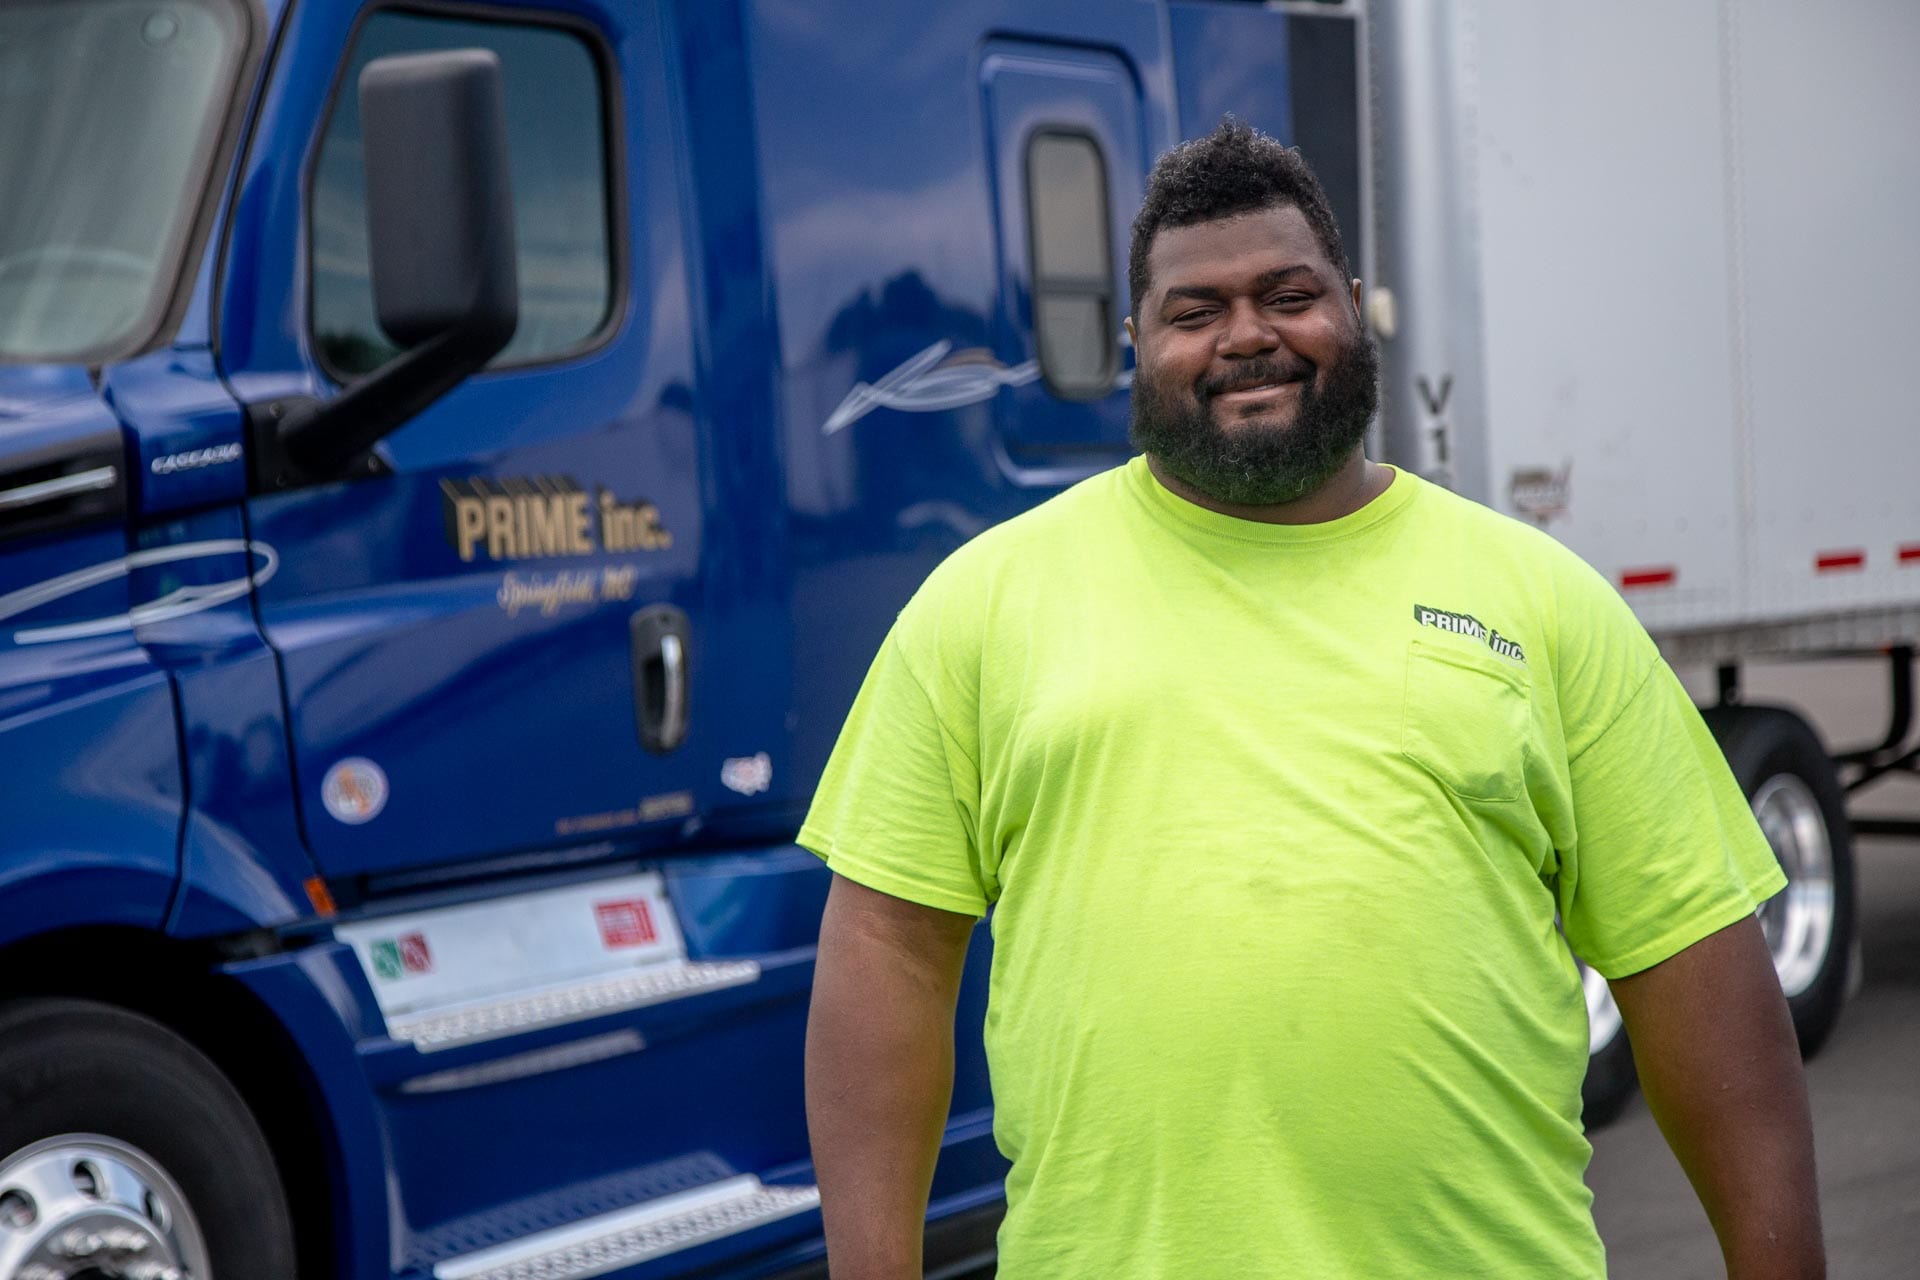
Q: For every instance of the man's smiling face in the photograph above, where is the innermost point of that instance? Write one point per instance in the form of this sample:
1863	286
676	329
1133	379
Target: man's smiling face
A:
1255	380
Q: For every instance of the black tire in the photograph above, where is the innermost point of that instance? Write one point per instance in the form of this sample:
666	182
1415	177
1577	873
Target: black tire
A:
1764	743
79	1067
1611	1079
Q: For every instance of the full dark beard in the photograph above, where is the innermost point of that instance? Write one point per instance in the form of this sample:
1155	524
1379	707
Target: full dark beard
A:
1253	463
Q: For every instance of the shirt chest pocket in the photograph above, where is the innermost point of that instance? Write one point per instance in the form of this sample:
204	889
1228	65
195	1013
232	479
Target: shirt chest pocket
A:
1465	719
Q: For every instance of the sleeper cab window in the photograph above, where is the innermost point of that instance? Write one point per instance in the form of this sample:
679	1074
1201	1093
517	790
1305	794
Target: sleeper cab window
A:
562	205
1076	323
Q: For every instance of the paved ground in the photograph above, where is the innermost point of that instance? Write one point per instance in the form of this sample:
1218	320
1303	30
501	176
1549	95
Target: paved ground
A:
1865	1083
1866	1111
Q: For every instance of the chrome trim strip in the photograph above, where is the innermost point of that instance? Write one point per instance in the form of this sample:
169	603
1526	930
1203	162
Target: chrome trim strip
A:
519	1066
631	1236
575	1002
28	495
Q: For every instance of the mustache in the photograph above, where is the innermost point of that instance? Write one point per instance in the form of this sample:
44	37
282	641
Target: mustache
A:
1255	373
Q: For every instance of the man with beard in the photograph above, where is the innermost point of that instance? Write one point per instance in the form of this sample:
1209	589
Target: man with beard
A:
1279	767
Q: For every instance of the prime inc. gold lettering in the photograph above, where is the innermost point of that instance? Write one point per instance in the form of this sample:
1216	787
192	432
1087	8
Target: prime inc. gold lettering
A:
539	517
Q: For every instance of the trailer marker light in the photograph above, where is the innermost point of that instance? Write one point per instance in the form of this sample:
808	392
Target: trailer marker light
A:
1829	561
1910	553
1661	577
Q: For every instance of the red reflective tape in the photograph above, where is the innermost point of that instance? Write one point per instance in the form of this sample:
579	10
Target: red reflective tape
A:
1828	561
1648	577
1909	552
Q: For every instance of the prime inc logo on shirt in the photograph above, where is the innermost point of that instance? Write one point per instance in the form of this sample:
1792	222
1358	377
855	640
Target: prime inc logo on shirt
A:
1466	624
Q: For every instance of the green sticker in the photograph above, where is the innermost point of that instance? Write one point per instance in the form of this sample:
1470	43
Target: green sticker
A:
386	958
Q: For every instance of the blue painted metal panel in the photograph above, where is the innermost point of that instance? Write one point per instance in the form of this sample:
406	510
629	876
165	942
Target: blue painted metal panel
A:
184	427
90	781
243	861
768	900
880	206
320	999
730	1088
197	322
1231	59
31	389
465	676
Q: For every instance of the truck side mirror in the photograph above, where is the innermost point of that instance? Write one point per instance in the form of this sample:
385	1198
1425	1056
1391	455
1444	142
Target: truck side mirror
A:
439	204
445	276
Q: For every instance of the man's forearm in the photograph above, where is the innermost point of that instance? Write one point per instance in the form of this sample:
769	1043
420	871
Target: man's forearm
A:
879	1080
1746	1148
1721	1072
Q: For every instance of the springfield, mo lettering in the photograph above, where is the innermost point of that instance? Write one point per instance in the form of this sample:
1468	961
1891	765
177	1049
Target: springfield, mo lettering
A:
536	517
1465	624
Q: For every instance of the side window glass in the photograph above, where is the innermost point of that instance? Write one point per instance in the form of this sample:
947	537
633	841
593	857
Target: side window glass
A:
557	153
1075	323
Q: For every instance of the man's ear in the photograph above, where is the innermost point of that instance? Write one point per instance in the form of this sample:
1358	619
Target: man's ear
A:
1133	339
1356	298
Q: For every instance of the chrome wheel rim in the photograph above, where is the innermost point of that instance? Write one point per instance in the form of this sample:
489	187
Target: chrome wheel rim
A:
82	1205
1603	1015
1798	921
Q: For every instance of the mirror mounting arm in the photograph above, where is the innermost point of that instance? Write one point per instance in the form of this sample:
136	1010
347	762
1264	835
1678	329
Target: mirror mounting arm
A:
443	262
300	440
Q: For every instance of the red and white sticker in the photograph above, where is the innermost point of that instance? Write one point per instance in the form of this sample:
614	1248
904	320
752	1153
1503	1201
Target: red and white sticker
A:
625	922
414	955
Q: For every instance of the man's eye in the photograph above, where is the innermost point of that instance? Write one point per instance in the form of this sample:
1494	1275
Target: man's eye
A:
1289	299
1193	319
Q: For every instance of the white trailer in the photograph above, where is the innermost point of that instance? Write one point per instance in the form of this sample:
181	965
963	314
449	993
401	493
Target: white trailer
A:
1649	279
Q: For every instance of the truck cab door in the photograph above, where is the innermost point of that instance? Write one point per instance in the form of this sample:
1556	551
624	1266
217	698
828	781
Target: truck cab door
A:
514	633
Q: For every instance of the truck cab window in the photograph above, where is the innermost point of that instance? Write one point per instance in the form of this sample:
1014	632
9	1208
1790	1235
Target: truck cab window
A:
558	156
1074	319
110	114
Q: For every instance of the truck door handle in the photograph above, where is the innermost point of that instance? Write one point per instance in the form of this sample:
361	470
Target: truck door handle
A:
660	660
673	680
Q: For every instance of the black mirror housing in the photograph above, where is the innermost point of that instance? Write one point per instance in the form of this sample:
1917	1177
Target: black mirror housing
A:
439	203
445	271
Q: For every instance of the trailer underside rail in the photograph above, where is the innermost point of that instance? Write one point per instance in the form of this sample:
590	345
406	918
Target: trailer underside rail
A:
1839	636
1852	634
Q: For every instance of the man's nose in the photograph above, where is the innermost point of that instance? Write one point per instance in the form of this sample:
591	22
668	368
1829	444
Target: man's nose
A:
1248	331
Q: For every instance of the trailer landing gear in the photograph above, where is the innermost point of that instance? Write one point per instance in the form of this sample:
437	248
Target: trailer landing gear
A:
1892	754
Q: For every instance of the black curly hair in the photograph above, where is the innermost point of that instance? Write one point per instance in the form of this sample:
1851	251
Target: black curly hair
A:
1233	170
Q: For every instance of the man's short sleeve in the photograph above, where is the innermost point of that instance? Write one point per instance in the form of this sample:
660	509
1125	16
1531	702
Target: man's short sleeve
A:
1666	849
897	808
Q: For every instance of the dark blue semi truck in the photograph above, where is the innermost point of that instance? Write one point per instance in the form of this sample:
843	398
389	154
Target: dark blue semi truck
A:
456	463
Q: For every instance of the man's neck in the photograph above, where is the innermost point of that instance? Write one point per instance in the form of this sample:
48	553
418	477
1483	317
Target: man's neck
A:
1352	487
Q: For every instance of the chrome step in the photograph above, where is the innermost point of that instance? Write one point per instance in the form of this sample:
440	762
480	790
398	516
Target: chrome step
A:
639	1234
508	1015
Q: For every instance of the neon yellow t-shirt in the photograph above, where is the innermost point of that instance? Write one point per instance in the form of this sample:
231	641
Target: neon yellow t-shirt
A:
1276	821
